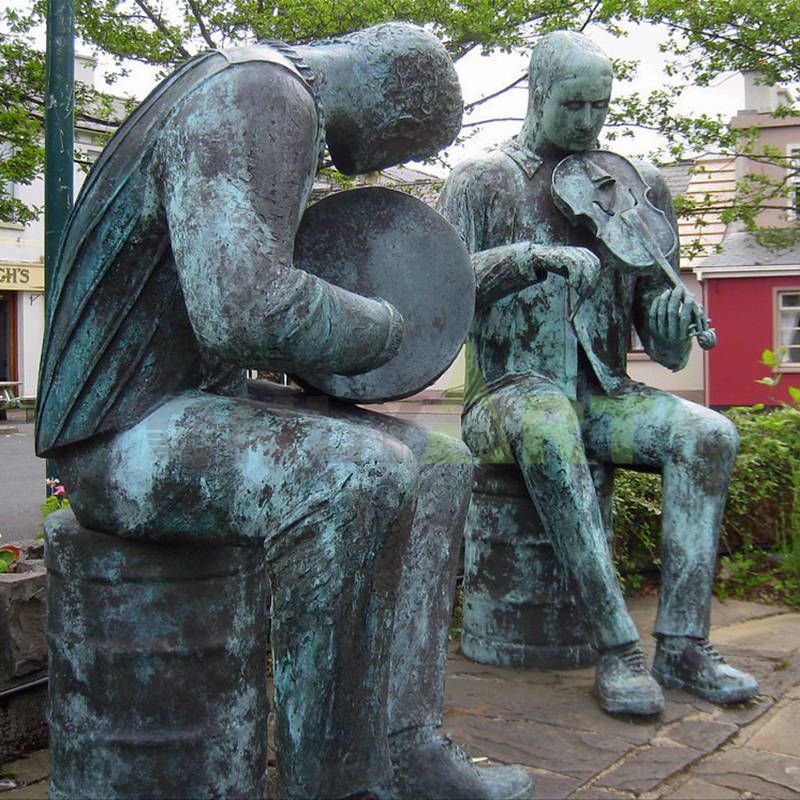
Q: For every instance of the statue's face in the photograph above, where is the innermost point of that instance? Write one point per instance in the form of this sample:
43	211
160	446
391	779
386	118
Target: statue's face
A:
574	112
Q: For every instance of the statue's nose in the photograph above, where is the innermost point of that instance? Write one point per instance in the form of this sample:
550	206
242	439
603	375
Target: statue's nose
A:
584	119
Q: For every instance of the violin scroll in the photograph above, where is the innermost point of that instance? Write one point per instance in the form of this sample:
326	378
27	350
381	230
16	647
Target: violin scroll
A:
706	339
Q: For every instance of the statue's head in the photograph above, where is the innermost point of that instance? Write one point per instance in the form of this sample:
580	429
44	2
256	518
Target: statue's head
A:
570	81
390	94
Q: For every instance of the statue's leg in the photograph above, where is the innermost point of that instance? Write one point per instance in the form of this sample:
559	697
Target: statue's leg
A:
533	423
695	449
333	502
427	764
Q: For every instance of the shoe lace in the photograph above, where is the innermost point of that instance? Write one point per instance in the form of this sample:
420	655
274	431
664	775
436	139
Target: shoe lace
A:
708	649
634	660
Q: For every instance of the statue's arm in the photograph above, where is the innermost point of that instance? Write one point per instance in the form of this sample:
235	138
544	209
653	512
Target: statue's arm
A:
234	172
476	198
659	311
509	268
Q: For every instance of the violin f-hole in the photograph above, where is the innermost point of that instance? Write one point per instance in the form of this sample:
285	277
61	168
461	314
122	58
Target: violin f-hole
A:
605	210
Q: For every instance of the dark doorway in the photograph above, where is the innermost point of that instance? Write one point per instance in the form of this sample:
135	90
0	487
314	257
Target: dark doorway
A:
5	337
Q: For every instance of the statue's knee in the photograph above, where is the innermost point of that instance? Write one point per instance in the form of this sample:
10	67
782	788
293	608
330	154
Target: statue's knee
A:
387	477
728	436
716	439
447	452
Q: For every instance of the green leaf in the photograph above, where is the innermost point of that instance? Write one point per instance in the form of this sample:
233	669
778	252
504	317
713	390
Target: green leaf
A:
7	558
769	359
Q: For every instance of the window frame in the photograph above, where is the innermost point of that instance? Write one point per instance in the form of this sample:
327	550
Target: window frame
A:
777	293
793	154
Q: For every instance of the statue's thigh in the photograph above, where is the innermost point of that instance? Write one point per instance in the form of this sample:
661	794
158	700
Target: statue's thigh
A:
225	469
645	428
525	422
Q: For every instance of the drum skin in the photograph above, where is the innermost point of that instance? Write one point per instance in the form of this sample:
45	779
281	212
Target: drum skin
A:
383	243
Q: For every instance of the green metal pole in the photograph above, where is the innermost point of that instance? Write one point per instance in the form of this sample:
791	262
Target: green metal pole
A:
59	120
59	127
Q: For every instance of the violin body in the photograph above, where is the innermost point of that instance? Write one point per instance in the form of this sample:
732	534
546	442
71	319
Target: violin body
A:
603	192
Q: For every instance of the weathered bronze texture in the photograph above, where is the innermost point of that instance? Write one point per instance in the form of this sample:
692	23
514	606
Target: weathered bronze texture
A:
520	608
357	240
175	274
158	686
546	384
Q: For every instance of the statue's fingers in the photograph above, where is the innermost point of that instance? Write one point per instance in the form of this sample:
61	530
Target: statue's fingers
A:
674	316
653	316
701	321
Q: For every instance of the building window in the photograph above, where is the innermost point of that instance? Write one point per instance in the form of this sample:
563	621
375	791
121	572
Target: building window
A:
634	342
788	327
9	187
794	181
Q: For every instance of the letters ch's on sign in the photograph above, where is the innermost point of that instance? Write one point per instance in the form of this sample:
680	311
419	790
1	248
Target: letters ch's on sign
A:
23	278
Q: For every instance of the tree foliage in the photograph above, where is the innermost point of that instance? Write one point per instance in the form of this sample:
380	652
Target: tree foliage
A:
704	40
21	154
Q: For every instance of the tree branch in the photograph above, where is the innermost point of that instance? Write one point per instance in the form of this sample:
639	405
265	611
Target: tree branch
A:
163	27
201	25
733	41
470	106
493	119
591	15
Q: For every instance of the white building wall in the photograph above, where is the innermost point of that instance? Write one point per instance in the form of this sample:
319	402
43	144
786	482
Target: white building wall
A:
30	335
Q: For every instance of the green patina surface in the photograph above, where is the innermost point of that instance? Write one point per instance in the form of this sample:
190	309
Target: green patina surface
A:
547	387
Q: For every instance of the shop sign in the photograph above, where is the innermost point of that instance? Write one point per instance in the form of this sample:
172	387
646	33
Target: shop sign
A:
21	277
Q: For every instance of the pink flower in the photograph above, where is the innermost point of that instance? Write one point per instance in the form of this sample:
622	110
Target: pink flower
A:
59	490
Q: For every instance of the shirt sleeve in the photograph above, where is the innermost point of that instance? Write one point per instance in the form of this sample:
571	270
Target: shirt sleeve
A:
233	173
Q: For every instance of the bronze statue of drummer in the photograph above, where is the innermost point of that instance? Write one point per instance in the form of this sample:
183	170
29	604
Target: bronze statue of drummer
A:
177	272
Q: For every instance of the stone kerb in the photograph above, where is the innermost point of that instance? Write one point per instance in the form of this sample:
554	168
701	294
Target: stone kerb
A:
23	654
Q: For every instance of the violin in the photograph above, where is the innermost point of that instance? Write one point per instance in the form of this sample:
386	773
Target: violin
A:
605	193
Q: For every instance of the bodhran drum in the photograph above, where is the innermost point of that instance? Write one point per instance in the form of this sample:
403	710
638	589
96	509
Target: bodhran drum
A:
382	243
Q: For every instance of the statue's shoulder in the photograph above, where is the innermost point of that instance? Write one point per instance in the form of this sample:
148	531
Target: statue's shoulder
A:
492	170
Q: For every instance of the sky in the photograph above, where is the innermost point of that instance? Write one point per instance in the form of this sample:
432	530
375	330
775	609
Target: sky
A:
481	75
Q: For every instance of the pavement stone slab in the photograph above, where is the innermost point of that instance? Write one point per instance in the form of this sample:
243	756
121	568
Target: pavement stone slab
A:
765	774
702	732
34	791
733	611
780	733
643	610
740	713
459	664
577	754
593	792
29	769
552	785
698	789
783	675
775	637
649	766
570	708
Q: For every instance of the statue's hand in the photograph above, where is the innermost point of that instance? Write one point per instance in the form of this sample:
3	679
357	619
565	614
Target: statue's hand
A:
581	268
396	331
675	315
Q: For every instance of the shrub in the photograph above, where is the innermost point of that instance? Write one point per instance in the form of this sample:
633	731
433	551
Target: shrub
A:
763	510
